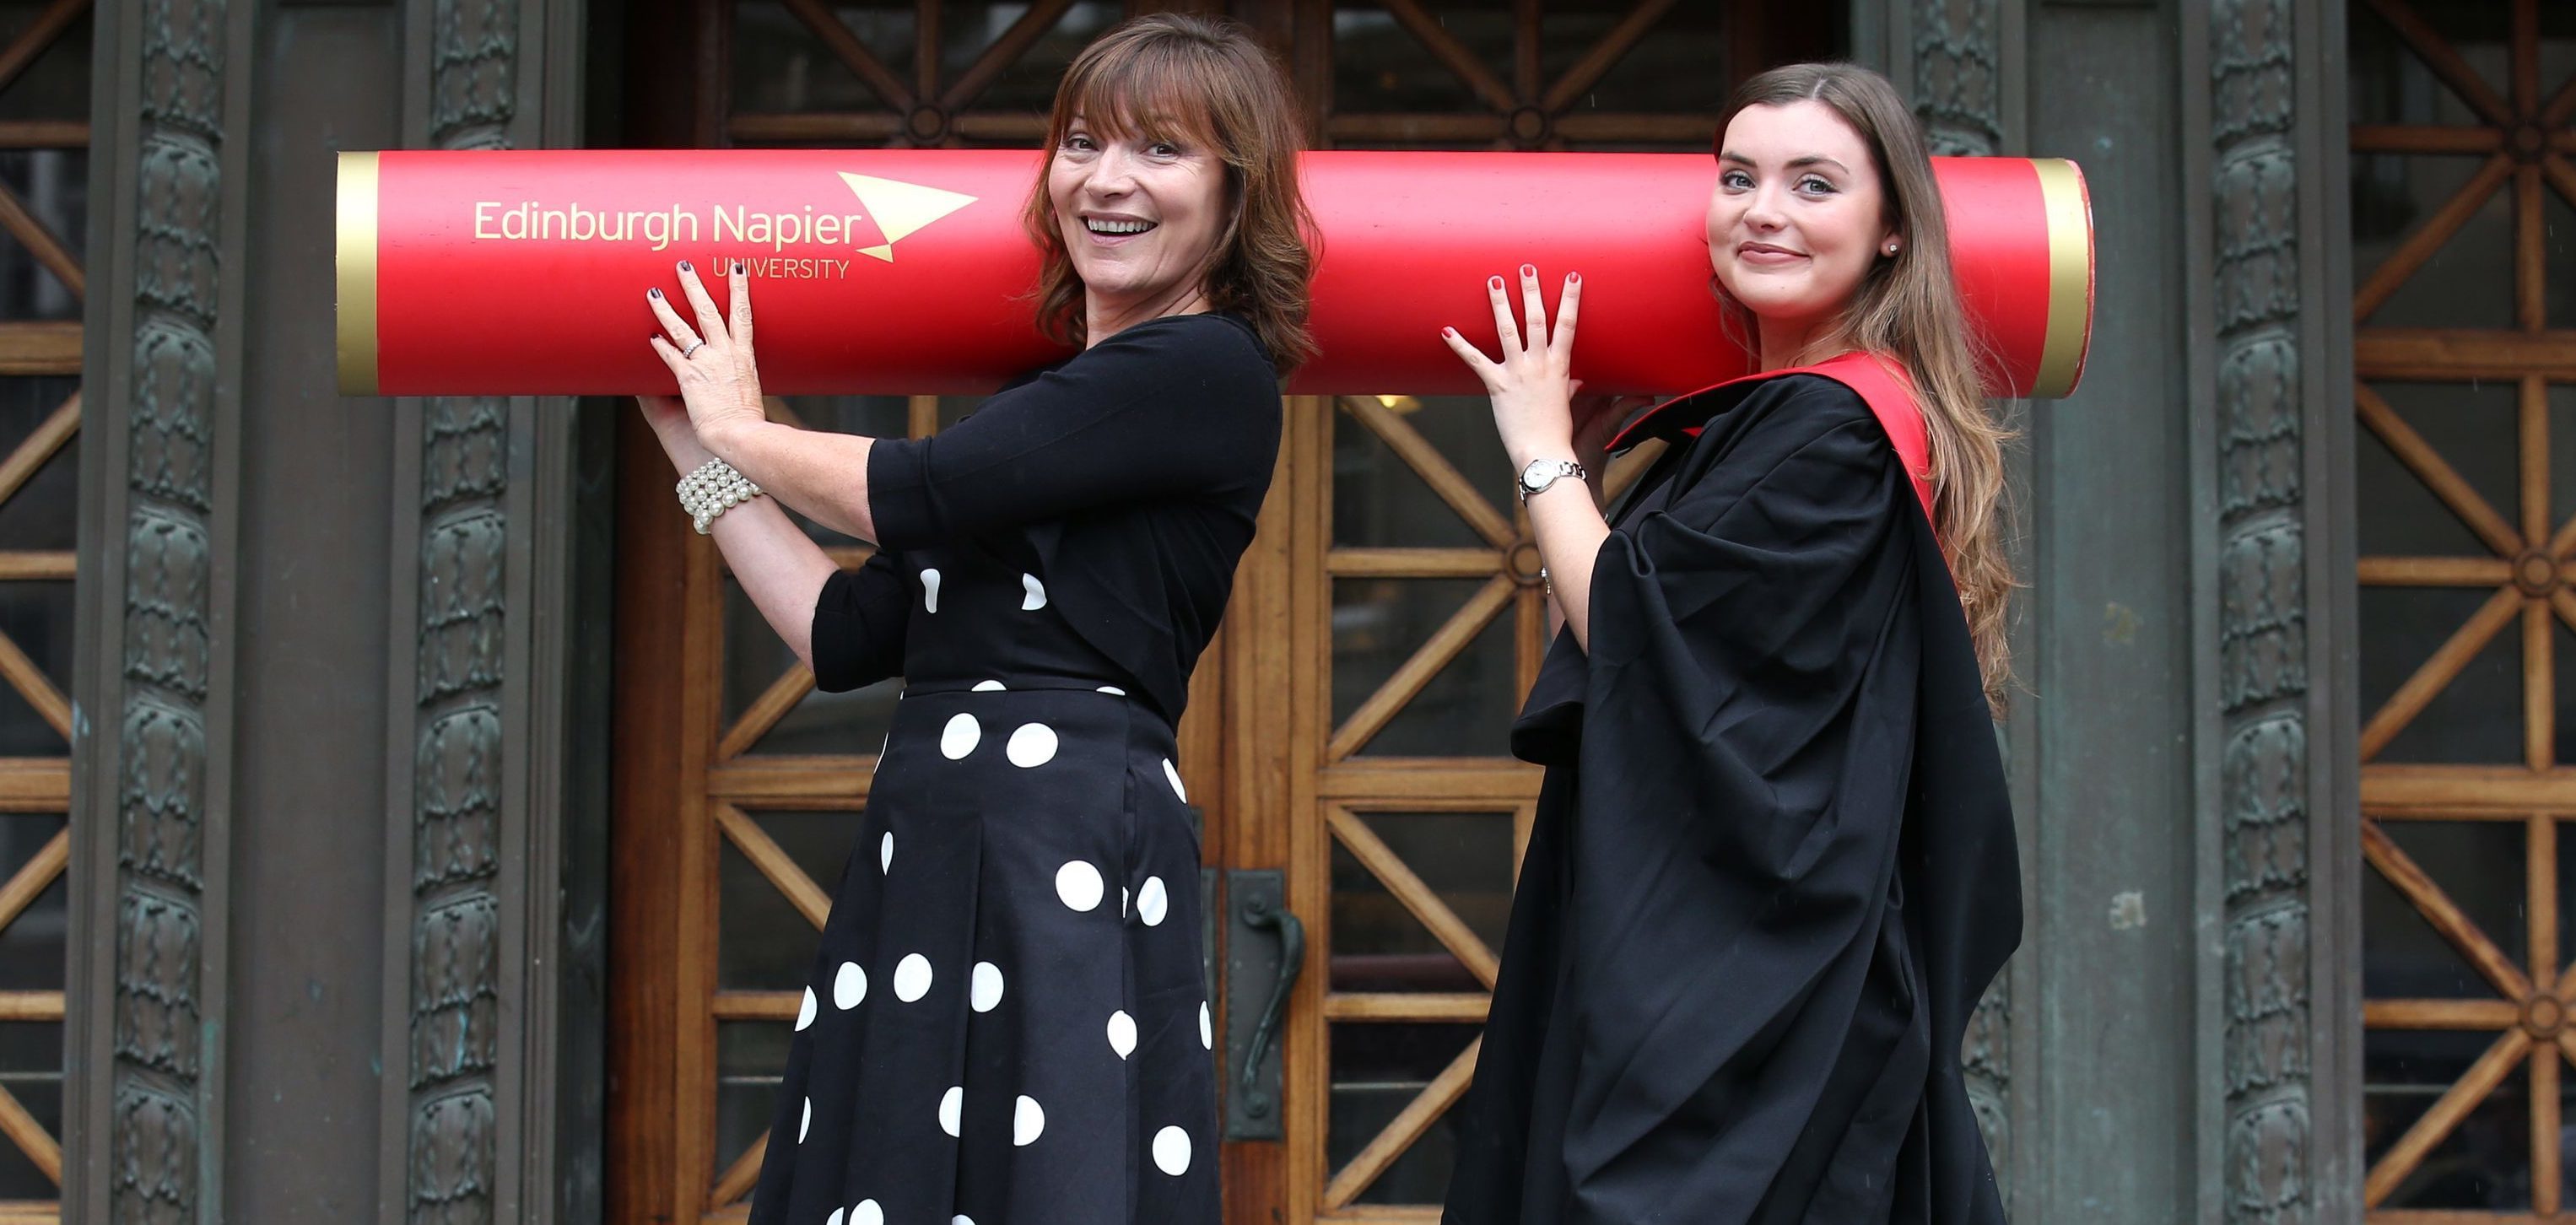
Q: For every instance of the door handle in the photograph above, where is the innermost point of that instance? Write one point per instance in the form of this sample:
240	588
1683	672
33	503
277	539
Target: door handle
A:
1257	913
1267	948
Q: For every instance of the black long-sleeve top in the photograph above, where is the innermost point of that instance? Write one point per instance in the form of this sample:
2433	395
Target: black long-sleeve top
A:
1132	471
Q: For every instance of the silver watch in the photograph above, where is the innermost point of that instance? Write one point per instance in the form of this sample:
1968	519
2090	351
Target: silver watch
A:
1542	473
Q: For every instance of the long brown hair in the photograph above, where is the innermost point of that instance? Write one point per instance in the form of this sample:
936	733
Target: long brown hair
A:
1907	308
1202	82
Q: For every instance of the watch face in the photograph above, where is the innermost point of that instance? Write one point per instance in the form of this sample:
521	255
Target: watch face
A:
1536	475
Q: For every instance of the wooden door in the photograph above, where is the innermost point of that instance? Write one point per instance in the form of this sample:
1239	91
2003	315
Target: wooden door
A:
44	175
2464	170
1347	728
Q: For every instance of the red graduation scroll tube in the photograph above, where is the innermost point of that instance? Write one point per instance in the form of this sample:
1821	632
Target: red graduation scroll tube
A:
893	271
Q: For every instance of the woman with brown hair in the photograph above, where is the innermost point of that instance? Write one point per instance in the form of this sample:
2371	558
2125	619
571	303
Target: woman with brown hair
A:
1773	865
1006	1022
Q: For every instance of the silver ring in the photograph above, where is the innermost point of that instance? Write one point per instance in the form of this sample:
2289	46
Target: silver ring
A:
694	346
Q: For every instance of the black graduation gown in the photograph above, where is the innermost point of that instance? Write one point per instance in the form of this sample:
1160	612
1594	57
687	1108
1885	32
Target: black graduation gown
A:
1773	865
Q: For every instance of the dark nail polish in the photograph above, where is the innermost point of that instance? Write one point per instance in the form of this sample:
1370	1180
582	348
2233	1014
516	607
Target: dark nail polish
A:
684	265
737	267
653	293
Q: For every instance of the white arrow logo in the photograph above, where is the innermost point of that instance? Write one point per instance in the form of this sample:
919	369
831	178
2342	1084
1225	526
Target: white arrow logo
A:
901	208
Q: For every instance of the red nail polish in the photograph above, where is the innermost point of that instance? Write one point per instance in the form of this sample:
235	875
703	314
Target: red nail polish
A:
1495	283
1574	278
1529	270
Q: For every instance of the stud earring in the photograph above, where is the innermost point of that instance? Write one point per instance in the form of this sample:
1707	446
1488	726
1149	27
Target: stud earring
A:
1891	248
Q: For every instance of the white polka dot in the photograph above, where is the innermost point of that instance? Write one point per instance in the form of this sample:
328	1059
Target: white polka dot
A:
985	991
1207	1031
805	1124
961	1219
1173	773
805	1011
849	986
1028	1122
1122	1033
885	852
1035	598
912	978
834	1219
1152	903
930	591
1122	901
1113	691
952	1104
1172	1151
867	1213
1079	884
960	736
988	686
1032	745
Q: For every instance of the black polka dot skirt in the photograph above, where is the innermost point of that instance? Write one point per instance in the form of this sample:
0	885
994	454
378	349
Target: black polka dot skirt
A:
1007	1023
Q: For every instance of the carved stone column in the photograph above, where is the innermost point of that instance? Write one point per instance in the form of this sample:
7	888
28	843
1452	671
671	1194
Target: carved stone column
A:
480	630
146	1003
2273	317
1957	56
456	722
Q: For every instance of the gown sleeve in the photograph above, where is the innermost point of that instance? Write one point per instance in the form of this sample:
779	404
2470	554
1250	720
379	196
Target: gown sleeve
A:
859	623
1740	972
1773	865
1139	416
1732	628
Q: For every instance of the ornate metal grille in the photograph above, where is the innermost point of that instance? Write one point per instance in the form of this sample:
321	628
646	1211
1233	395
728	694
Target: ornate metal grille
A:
44	163
2461	138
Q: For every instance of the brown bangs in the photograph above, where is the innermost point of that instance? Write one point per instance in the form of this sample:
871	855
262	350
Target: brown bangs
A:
1140	90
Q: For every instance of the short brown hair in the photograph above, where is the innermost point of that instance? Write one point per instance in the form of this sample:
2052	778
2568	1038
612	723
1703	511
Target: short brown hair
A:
1205	82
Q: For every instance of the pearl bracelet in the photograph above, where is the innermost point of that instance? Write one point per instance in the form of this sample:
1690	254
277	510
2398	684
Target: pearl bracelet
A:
711	490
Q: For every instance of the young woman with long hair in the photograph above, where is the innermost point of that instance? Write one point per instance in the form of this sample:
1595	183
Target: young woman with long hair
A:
1773	864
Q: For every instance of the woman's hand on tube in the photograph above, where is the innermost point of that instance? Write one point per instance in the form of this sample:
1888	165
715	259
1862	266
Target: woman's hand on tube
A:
1531	386
711	357
1533	392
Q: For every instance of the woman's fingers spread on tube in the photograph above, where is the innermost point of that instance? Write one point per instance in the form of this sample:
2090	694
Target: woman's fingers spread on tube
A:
1503	321
670	356
741	307
1562	340
1533	308
673	326
1467	352
710	320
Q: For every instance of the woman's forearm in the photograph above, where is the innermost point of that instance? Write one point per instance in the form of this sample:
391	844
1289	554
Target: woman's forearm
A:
779	567
1569	529
822	476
